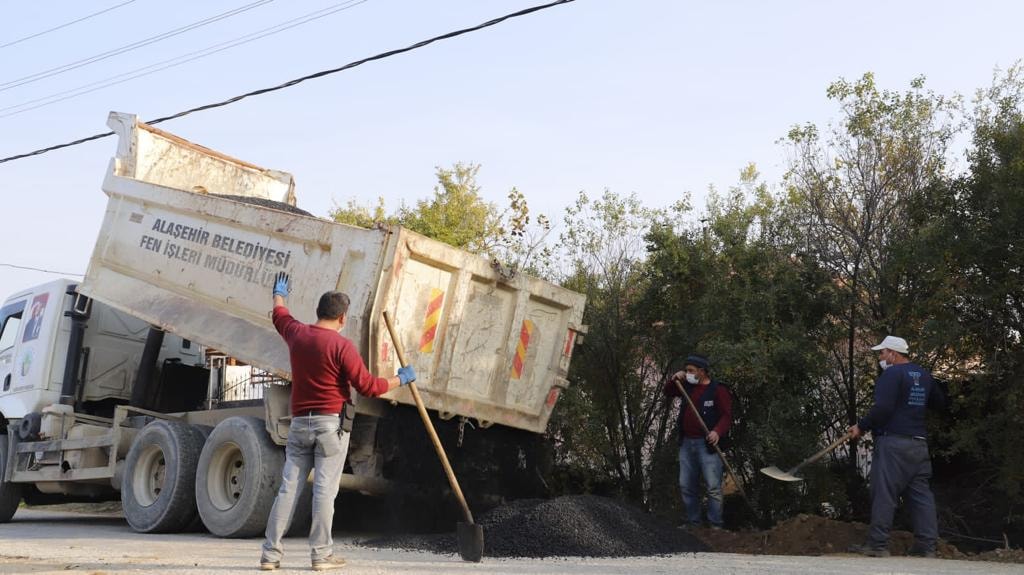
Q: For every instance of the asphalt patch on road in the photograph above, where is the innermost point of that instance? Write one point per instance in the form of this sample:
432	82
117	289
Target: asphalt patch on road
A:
570	526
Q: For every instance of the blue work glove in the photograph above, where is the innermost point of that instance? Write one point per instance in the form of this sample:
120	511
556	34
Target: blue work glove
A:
281	285
406	375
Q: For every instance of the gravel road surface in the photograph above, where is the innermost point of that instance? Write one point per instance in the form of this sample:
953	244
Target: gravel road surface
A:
61	542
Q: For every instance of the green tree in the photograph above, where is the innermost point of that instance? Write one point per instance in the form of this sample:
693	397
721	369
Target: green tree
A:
850	189
975	235
606	428
457	214
356	214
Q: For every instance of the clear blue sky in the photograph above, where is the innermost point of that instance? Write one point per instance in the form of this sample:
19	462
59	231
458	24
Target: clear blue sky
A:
659	98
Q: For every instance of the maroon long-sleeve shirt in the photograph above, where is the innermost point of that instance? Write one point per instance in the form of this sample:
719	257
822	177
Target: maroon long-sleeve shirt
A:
691	426
325	366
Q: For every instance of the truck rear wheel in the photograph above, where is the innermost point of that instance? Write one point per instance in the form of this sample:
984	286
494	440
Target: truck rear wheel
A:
238	476
10	493
158	489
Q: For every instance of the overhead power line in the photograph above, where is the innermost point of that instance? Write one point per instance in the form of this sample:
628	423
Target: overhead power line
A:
127	47
32	269
174	62
64	25
291	83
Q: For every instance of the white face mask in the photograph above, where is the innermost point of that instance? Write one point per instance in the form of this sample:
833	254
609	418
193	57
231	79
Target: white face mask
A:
692	378
883	364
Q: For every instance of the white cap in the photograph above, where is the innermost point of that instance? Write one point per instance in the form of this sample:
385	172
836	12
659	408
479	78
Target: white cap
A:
897	344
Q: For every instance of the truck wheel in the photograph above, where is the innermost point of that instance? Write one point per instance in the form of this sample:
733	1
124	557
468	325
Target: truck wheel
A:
196	525
158	489
238	476
10	493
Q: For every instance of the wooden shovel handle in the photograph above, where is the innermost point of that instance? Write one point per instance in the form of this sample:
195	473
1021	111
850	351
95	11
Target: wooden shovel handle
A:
430	426
822	453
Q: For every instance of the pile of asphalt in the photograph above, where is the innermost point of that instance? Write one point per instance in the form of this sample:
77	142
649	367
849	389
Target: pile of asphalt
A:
570	526
265	203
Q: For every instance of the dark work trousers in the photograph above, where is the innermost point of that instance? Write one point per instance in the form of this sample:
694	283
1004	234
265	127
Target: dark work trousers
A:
900	466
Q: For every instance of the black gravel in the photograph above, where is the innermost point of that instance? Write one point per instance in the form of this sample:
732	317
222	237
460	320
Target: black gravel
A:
570	526
265	203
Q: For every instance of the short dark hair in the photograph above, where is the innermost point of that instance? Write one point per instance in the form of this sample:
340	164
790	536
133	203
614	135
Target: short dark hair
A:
333	305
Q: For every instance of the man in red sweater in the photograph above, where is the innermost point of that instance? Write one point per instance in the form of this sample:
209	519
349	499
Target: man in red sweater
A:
697	457
325	367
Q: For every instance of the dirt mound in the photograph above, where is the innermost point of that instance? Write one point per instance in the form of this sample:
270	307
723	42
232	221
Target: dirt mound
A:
1000	556
809	535
571	526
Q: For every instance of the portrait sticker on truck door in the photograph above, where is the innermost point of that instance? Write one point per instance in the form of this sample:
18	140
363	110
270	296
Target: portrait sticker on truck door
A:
36	313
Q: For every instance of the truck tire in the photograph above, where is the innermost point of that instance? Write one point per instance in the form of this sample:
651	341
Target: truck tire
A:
196	525
238	476
10	493
158	489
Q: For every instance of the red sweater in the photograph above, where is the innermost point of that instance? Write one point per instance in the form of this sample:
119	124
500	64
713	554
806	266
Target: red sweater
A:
691	426
324	366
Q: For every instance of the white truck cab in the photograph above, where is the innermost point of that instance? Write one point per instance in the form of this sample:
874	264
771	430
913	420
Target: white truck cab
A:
36	327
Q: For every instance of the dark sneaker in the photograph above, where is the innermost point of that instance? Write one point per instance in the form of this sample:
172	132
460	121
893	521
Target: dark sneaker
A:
266	565
868	551
330	562
914	552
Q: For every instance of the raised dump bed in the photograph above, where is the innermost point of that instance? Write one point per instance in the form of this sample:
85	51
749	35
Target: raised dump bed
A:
176	253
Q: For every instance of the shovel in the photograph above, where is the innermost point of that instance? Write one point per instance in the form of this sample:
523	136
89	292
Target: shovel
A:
776	473
470	535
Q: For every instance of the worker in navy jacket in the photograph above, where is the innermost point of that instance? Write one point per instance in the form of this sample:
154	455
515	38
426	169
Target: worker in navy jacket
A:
900	464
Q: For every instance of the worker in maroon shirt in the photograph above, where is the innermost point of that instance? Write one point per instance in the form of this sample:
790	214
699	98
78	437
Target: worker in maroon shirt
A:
697	457
325	368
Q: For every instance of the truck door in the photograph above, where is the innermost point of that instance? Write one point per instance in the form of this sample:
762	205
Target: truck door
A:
10	328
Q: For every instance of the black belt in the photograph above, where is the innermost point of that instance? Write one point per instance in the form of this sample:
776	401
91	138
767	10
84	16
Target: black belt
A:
314	413
917	437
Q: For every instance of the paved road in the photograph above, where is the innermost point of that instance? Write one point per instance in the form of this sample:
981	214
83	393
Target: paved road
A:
61	542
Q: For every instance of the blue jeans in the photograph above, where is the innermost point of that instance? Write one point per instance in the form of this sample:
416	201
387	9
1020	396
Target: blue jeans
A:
901	466
314	442
695	461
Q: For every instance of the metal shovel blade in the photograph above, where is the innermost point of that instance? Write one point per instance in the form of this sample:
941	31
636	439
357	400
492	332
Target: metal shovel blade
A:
776	473
471	541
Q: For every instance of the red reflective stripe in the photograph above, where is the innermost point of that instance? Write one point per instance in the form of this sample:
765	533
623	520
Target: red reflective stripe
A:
517	367
552	397
435	304
428	337
568	342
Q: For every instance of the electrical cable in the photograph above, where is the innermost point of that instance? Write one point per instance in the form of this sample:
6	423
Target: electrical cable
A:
10	84
176	61
65	25
291	83
29	268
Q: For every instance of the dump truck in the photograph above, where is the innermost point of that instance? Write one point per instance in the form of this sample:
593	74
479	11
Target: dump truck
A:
159	379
